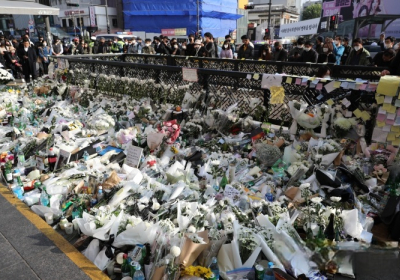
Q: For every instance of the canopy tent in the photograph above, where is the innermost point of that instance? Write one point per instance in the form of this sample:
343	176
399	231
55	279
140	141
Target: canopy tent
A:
26	8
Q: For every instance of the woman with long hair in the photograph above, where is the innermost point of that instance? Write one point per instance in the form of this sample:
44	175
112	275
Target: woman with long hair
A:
226	51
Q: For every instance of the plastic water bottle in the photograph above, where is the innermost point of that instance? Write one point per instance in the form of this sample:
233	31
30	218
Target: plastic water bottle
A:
100	193
44	198
86	156
138	273
214	268
269	273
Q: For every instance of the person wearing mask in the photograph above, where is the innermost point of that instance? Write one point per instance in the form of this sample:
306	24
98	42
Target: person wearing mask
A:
346	52
57	47
280	54
109	45
246	51
87	49
394	67
160	47
265	52
338	49
384	59
133	46
359	55
190	50
184	48
298	49
324	72
166	44
91	44
309	54
39	43
139	42
209	45
45	52
319	45
14	42
229	38
226	51
102	47
148	48
389	43
327	55
12	61
199	50
175	48
117	46
28	60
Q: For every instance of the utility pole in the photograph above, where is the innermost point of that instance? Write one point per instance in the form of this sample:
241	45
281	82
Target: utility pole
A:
269	18
108	22
198	16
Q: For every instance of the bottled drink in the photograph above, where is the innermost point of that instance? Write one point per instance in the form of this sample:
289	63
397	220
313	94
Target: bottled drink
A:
17	178
125	268
269	273
44	197
52	158
8	174
224	182
86	156
138	275
75	212
214	268
100	193
21	158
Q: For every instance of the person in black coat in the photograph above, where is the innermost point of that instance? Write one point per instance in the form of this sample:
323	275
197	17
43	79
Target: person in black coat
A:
245	51
28	58
280	54
384	59
309	54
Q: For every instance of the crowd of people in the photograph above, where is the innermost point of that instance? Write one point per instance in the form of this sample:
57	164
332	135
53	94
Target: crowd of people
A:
26	59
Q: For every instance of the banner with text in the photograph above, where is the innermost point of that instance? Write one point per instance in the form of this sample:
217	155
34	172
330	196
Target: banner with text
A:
305	27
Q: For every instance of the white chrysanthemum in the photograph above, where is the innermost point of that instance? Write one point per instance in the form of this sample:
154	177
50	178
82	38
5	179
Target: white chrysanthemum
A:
156	205
316	200
336	198
191	229
345	123
305	186
175	251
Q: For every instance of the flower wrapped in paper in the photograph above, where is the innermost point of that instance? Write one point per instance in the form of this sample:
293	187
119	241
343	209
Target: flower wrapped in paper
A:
193	246
97	226
308	119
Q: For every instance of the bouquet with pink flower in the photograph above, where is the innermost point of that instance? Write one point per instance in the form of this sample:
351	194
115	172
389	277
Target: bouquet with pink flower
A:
171	129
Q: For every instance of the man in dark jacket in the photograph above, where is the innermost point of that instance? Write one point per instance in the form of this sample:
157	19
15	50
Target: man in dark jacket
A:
209	45
319	45
347	51
394	68
295	53
359	55
28	59
190	50
384	59
309	54
245	51
280	54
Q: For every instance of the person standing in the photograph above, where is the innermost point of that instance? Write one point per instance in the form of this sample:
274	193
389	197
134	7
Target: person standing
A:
229	38
280	54
209	45
296	52
246	51
45	52
346	52
199	50
57	47
359	55
265	52
226	51
28	60
384	59
148	48
319	45
309	54
327	55
338	49
103	46
190	50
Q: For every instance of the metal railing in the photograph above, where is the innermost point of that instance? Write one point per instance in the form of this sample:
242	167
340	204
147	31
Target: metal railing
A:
215	88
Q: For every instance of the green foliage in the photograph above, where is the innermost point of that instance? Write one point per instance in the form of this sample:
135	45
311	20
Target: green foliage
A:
312	11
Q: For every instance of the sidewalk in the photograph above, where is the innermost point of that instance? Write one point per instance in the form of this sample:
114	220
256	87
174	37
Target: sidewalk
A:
31	249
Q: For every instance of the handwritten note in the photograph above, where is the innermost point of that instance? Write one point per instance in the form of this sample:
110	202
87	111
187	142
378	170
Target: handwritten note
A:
289	80
133	155
388	85
277	95
231	192
270	80
330	87
190	75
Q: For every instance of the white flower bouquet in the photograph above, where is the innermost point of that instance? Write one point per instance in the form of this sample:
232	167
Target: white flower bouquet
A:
5	76
301	116
325	152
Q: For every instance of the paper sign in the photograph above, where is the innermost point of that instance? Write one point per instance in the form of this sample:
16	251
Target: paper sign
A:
379	135
388	85
270	80
289	80
133	155
231	192
336	84
277	95
330	87
388	99
190	74
256	76
330	102
380	99
357	113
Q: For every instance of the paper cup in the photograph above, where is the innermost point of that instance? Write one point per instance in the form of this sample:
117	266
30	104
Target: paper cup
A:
75	223
49	218
69	228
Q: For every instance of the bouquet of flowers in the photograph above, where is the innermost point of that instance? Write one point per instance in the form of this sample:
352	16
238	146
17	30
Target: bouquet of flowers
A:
308	119
325	152
342	125
171	130
5	76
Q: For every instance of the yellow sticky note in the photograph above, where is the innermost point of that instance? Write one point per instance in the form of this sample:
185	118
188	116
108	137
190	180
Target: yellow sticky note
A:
380	99
349	80
243	58
289	80
256	76
380	124
396	142
388	85
277	95
397	134
330	102
389	108
337	84
311	79
395	129
357	113
391	136
365	116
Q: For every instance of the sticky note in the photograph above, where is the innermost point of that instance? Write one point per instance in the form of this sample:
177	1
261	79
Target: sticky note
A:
330	87
379	135
365	116
357	113
363	86
277	95
380	99
330	102
387	128
388	99
315	81
391	136
389	108
256	76
344	85
397	103
391	122
352	86
396	142
319	86
388	85
381	117
380	124
289	80
298	81
395	129
312	85
391	116
397	121
304	80
336	84
398	112
381	111
248	77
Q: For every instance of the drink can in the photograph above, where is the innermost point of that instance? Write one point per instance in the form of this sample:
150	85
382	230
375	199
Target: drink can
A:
259	272
212	277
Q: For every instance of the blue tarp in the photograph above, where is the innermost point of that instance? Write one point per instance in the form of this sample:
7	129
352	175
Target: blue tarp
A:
216	16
